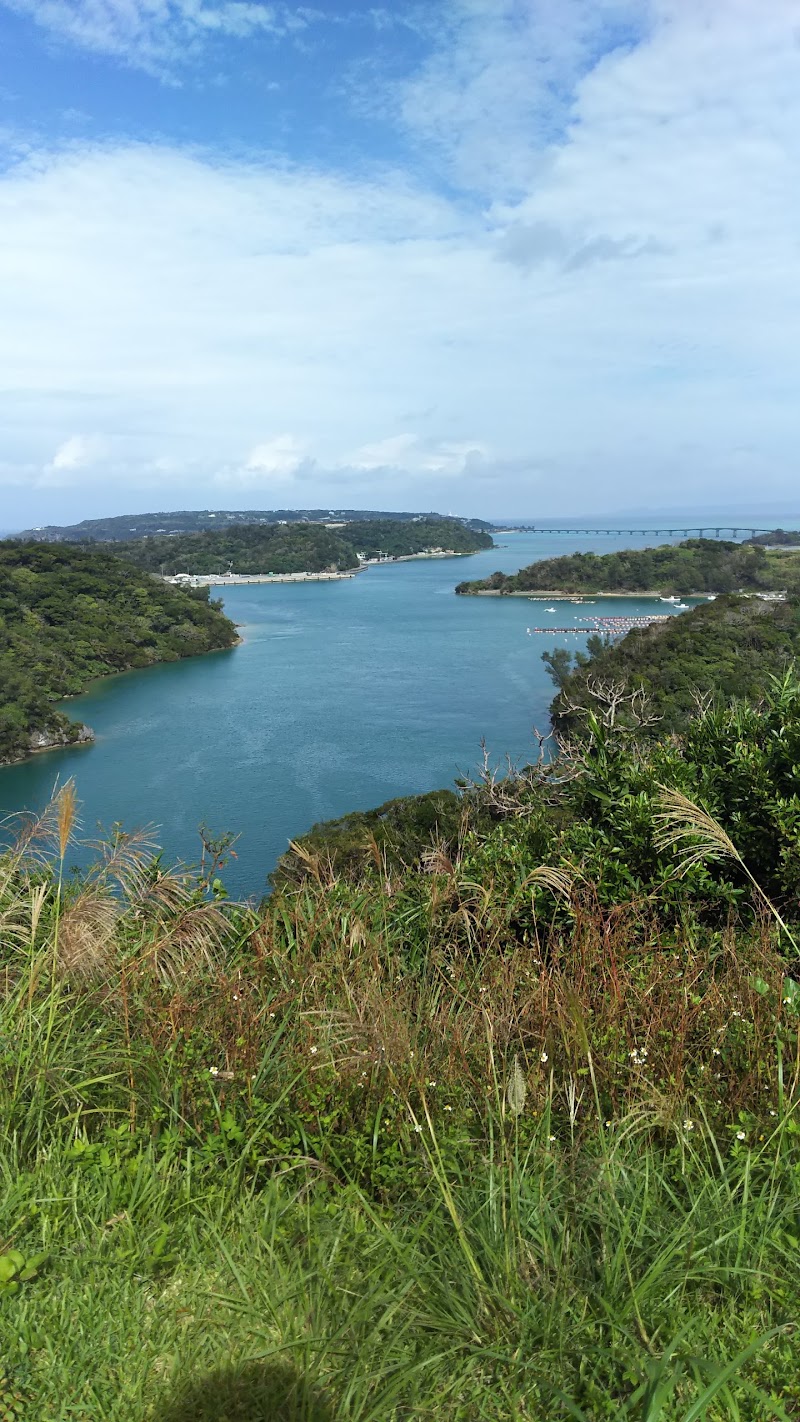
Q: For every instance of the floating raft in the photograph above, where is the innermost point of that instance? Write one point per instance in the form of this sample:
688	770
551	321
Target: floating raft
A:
611	626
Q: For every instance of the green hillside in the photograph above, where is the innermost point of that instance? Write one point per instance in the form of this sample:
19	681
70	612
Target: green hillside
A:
726	648
69	614
507	1133
298	547
123	527
695	566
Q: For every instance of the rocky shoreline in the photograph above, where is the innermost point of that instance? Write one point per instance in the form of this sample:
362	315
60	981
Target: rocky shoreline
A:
55	738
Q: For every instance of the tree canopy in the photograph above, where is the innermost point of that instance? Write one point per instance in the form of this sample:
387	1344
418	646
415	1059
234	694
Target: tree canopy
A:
297	547
697	565
69	614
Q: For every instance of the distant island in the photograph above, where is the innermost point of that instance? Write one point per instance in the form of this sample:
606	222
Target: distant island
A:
299	547
124	527
698	565
68	615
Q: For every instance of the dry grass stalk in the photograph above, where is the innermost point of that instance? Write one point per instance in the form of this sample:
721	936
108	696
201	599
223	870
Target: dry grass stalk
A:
86	936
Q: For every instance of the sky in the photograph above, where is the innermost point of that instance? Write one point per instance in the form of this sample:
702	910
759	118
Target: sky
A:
498	257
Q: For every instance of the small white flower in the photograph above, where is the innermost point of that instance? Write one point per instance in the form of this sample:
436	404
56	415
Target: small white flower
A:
544	1058
773	1113
417	1127
715	1052
213	1071
431	1083
551	1139
313	1051
688	1124
740	1136
448	1108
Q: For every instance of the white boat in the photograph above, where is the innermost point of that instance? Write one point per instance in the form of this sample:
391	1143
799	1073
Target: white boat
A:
550	609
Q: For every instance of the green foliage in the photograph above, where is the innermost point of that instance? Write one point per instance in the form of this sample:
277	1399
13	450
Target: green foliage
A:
396	834
298	547
778	538
696	566
508	1133
69	614
727	648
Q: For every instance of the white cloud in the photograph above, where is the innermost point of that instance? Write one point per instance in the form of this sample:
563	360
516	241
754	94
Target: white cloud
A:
157	35
276	459
499	87
614	321
76	452
415	456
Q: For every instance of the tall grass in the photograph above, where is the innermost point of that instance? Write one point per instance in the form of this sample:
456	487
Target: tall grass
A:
360	1155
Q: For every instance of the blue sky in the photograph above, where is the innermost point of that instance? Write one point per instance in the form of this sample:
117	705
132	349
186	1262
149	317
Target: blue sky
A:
496	256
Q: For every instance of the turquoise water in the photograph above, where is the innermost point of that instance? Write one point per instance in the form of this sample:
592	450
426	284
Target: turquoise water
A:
342	695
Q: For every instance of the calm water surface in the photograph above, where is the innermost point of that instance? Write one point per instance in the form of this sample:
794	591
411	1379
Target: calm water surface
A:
343	695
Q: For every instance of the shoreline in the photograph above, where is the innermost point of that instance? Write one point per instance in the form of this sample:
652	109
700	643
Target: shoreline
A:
225	580
220	580
539	596
91	739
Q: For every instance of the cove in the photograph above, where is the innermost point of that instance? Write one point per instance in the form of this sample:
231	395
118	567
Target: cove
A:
341	696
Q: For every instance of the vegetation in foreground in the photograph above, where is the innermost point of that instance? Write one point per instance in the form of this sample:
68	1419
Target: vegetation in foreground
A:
698	565
508	1133
725	648
68	615
299	547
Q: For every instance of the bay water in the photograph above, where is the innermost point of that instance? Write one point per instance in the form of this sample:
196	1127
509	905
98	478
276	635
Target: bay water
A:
342	695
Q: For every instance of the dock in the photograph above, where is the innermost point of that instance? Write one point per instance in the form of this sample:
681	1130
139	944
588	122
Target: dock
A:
611	626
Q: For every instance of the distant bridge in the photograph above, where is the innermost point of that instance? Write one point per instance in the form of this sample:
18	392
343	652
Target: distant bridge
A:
705	532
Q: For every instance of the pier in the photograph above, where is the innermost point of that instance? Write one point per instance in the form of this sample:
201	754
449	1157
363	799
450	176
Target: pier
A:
610	626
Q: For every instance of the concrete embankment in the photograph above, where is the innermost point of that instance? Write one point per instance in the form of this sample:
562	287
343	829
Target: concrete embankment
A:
216	580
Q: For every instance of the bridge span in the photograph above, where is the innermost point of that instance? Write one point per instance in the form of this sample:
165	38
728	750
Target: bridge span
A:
706	531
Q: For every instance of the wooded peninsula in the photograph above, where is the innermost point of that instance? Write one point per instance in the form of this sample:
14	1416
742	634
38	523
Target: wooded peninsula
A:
299	547
698	565
727	649
70	614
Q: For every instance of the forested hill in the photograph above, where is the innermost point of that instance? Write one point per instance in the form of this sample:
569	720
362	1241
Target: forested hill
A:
127	526
697	565
298	547
69	614
778	538
729	647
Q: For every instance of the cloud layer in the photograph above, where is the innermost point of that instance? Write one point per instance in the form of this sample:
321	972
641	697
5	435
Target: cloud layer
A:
159	36
581	292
